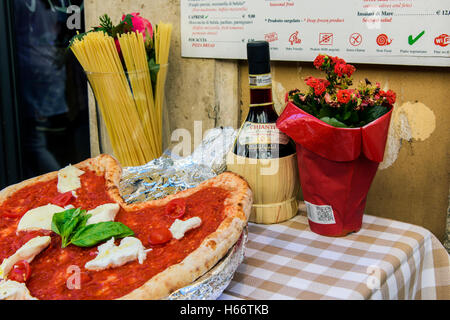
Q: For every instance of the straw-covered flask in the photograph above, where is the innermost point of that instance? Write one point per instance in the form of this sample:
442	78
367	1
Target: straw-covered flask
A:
262	154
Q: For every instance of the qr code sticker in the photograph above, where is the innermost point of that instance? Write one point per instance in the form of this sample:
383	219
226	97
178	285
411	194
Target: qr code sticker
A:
320	214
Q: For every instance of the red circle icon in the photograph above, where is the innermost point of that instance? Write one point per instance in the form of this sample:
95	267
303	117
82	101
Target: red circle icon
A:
383	40
355	39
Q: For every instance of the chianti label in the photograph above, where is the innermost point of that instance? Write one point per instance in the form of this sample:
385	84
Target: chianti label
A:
260	81
262	133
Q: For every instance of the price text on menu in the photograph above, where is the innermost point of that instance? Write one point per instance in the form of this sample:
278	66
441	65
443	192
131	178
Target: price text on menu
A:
406	32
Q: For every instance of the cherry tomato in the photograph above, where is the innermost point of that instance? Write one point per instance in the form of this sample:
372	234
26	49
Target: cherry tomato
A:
160	236
20	272
63	199
176	208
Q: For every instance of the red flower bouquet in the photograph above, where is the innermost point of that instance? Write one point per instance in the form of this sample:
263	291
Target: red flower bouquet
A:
334	102
341	135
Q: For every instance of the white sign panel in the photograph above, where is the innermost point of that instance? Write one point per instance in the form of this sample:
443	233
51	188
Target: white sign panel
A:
406	32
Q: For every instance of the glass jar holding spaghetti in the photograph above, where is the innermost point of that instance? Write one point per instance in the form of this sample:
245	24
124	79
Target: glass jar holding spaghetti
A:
127	71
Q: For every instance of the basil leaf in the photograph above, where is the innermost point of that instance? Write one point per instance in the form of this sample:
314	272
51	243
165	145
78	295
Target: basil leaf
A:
65	223
71	226
83	221
71	223
93	234
58	221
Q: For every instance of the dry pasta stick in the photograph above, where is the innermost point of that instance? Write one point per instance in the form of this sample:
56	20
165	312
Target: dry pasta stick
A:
162	47
135	58
99	58
103	78
134	54
131	118
148	86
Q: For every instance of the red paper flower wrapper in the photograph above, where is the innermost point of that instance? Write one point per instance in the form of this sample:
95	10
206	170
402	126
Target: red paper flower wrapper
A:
336	166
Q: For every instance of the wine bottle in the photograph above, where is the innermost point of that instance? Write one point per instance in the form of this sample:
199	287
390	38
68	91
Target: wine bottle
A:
262	154
259	137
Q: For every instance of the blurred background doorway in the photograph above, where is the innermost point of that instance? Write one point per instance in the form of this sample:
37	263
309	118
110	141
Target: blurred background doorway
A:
44	121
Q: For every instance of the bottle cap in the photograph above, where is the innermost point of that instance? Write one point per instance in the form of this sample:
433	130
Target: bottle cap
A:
258	55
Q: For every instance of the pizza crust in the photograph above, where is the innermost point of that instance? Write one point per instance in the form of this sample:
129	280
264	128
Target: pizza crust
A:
237	210
103	164
213	248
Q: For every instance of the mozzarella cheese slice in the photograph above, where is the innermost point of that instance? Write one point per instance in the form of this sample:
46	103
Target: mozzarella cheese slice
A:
179	228
39	218
111	256
103	213
27	252
69	179
12	290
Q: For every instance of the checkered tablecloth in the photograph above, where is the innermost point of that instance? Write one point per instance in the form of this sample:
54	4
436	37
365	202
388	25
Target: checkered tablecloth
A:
385	260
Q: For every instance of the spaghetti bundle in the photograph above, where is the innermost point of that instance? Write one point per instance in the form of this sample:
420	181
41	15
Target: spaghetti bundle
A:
133	51
130	103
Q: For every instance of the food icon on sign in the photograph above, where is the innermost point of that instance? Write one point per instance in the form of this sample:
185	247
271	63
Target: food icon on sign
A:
443	40
383	40
271	37
326	39
294	39
355	39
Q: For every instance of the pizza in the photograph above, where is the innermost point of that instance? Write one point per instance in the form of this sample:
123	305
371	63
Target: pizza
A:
69	235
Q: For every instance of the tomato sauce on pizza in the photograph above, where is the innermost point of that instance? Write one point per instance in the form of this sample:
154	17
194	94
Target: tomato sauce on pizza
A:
53	271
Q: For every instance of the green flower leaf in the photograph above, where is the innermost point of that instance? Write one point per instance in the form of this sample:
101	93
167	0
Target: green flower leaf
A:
124	26
106	23
346	115
325	111
373	113
154	69
334	122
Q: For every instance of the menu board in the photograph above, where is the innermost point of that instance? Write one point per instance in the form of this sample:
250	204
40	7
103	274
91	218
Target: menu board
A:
404	32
